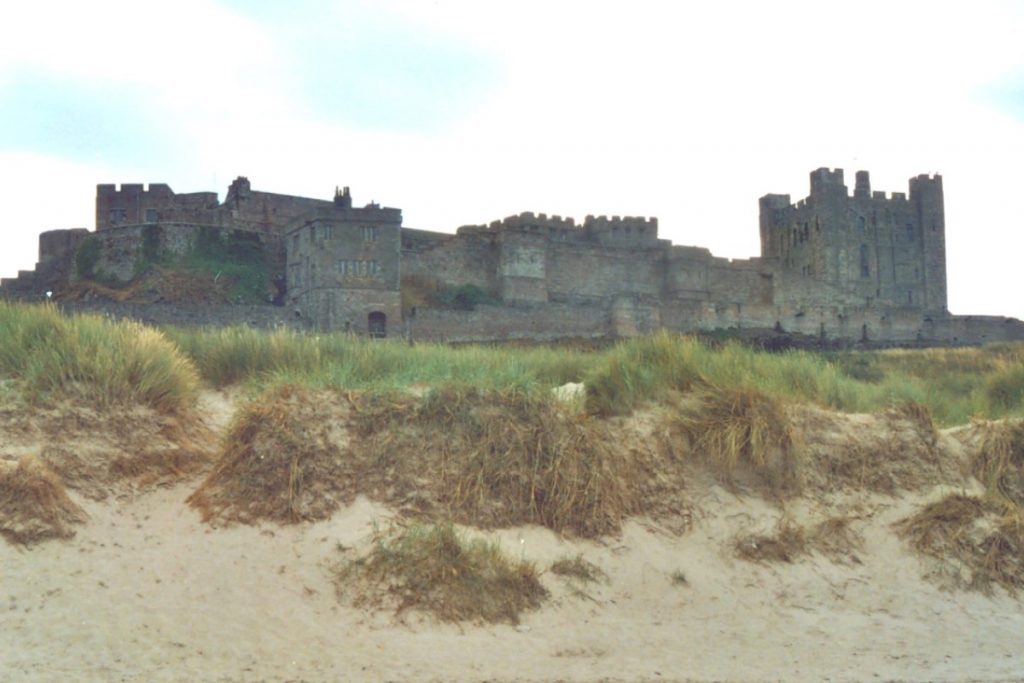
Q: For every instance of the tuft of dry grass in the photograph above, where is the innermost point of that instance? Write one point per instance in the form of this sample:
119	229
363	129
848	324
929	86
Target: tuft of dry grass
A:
998	461
785	544
34	506
500	458
918	415
885	452
836	538
741	427
282	459
833	537
976	542
577	568
433	568
482	458
109	451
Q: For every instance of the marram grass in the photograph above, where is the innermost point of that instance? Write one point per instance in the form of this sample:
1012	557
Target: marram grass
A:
123	361
93	358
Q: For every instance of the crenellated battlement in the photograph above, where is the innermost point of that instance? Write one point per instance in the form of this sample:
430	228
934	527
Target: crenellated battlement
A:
527	220
606	230
109	190
825	182
881	248
638	224
825	257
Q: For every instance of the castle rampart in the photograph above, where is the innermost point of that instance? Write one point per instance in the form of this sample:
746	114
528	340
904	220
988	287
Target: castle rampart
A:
867	266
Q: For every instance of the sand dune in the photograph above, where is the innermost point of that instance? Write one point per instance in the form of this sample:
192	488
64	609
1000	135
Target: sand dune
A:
145	591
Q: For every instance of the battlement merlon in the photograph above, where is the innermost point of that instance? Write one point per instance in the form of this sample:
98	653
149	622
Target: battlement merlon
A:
827	182
925	184
862	188
620	221
527	220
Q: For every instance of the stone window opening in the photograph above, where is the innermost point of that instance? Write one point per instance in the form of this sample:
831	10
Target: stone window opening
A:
151	216
862	224
369	233
865	263
910	232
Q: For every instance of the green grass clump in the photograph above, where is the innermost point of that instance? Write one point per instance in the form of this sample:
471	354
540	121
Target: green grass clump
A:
954	384
236	255
647	368
435	569
1004	389
94	358
232	355
239	354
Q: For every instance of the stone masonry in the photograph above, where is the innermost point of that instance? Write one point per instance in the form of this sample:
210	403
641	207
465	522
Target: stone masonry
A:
865	266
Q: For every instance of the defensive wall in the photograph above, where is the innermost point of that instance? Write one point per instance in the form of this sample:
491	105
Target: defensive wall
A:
860	267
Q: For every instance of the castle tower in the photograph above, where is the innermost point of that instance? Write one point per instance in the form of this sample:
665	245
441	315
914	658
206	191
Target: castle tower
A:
861	250
927	199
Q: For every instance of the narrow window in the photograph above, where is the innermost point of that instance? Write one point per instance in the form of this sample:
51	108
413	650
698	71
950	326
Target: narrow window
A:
865	264
910	232
151	215
861	224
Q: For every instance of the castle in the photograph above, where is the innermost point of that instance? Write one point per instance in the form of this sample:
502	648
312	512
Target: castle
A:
865	266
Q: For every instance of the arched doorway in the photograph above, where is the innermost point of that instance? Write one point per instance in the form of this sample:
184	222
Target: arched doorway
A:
378	324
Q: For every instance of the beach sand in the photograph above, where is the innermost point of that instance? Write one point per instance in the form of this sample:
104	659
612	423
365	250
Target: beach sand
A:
145	591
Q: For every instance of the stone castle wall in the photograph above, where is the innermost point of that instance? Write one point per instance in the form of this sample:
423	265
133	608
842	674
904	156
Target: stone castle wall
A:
864	266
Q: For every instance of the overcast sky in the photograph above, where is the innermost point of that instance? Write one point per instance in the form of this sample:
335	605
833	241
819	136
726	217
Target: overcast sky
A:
465	111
